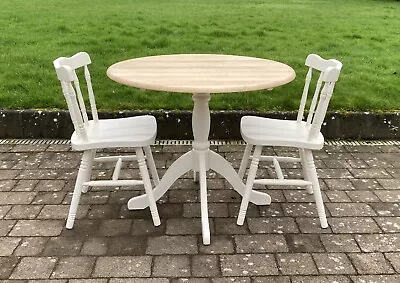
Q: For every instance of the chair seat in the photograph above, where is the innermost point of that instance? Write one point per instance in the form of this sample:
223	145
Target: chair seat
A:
266	131
136	131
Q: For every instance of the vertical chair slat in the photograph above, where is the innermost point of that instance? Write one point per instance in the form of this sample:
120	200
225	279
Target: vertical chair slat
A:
82	105
300	114
314	100
92	99
76	118
320	113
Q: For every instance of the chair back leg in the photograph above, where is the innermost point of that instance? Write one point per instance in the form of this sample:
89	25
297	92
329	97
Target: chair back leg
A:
245	160
147	186
152	166
249	184
315	186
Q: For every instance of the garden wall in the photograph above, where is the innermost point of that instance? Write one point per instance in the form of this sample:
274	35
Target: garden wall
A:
177	124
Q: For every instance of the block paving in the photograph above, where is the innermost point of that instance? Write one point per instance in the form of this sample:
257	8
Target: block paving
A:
282	242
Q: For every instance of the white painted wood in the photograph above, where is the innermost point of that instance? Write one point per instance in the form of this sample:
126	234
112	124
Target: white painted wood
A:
81	102
282	182
122	132
201	129
304	135
279	158
115	158
184	164
147	186
91	94
278	169
117	169
316	189
203	198
300	113
306	174
225	169
92	154
249	185
318	63
71	100
317	91
115	183
245	160
91	134
80	179
259	130
152	165
201	73
201	121
178	168
322	107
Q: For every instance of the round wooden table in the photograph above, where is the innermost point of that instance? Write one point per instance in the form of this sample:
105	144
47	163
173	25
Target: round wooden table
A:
201	75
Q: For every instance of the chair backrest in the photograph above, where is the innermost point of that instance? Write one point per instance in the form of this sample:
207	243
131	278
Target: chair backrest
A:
329	71
66	72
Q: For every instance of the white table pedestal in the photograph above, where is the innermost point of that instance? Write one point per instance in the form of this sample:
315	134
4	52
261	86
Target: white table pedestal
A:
200	159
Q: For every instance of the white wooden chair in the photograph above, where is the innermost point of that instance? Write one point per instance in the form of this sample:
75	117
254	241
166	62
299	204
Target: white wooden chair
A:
92	134
302	134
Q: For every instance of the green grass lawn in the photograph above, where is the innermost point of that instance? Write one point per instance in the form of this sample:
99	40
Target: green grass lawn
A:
363	34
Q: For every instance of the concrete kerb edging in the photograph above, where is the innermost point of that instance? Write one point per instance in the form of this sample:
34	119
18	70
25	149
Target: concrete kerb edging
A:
178	125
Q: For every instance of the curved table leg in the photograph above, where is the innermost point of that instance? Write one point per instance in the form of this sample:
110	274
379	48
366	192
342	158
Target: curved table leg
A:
177	169
200	159
225	169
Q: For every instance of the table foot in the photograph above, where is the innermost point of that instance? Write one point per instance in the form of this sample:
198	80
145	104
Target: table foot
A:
205	160
184	164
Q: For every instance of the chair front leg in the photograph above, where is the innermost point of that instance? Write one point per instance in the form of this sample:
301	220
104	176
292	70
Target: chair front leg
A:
316	189
80	179
245	160
89	169
249	184
147	186
152	165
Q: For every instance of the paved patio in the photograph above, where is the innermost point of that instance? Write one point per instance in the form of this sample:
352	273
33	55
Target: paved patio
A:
278	243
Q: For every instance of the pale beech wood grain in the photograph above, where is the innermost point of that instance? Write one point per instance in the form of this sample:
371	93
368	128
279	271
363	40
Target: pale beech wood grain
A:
201	73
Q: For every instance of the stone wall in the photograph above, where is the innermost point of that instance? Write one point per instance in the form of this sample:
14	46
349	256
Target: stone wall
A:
177	124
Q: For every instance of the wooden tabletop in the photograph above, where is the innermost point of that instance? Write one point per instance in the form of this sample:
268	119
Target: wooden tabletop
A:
201	73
